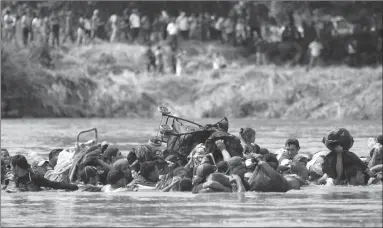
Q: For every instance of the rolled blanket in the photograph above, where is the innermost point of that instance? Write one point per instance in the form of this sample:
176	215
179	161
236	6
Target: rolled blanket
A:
64	164
77	159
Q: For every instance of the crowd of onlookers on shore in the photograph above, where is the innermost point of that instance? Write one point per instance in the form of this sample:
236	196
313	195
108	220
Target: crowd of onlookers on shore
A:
222	163
239	27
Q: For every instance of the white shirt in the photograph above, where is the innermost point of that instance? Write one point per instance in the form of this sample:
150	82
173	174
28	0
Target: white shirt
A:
315	48
172	28
113	18
36	23
9	21
135	21
183	23
113	21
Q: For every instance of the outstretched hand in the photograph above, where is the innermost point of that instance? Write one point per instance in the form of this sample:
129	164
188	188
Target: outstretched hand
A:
220	144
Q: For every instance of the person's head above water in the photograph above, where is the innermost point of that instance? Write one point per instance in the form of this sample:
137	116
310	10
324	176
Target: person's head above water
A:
5	156
355	176
123	165
236	166
292	147
20	165
379	139
222	167
53	156
271	160
149	171
111	154
40	166
247	135
185	185
116	178
89	175
202	172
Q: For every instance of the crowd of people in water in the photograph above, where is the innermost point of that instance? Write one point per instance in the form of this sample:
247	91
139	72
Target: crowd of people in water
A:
223	163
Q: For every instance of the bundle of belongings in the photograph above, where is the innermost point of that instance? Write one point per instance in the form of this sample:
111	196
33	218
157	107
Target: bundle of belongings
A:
69	162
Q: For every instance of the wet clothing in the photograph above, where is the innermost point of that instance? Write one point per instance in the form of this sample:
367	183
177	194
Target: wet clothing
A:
350	160
140	180
34	182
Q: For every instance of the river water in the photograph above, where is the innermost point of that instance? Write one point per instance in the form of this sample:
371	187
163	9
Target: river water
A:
310	206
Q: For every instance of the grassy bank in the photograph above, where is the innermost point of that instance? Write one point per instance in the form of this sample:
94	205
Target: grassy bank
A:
104	80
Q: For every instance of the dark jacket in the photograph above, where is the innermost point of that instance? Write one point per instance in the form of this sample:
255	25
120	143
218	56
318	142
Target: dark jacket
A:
350	160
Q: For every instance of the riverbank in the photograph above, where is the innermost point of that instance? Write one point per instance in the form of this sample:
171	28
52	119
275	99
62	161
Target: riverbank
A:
104	80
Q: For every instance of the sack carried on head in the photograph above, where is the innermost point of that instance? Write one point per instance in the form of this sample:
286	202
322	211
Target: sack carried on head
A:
338	136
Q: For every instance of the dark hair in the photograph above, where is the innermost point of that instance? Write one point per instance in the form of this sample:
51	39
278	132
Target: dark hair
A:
247	133
292	141
263	151
110	151
379	139
20	161
146	168
131	157
257	148
54	152
222	166
351	172
87	173
185	185
114	176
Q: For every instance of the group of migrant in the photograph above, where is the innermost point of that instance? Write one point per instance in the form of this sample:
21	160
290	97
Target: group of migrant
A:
212	159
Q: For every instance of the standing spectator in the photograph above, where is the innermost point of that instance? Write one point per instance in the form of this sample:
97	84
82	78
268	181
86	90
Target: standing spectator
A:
26	24
157	30
205	25
254	15
145	28
315	48
46	30
172	30
114	27
9	24
54	21
95	24
240	31
229	30
88	29
351	51
193	26
183	25
68	30
164	21
37	25
135	24
212	30
179	62
219	27
81	34
150	59
159	59
126	23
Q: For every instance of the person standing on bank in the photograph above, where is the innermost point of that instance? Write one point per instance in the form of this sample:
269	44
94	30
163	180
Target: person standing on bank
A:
135	24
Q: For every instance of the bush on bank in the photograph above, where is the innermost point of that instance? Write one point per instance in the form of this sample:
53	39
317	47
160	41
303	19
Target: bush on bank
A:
108	80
